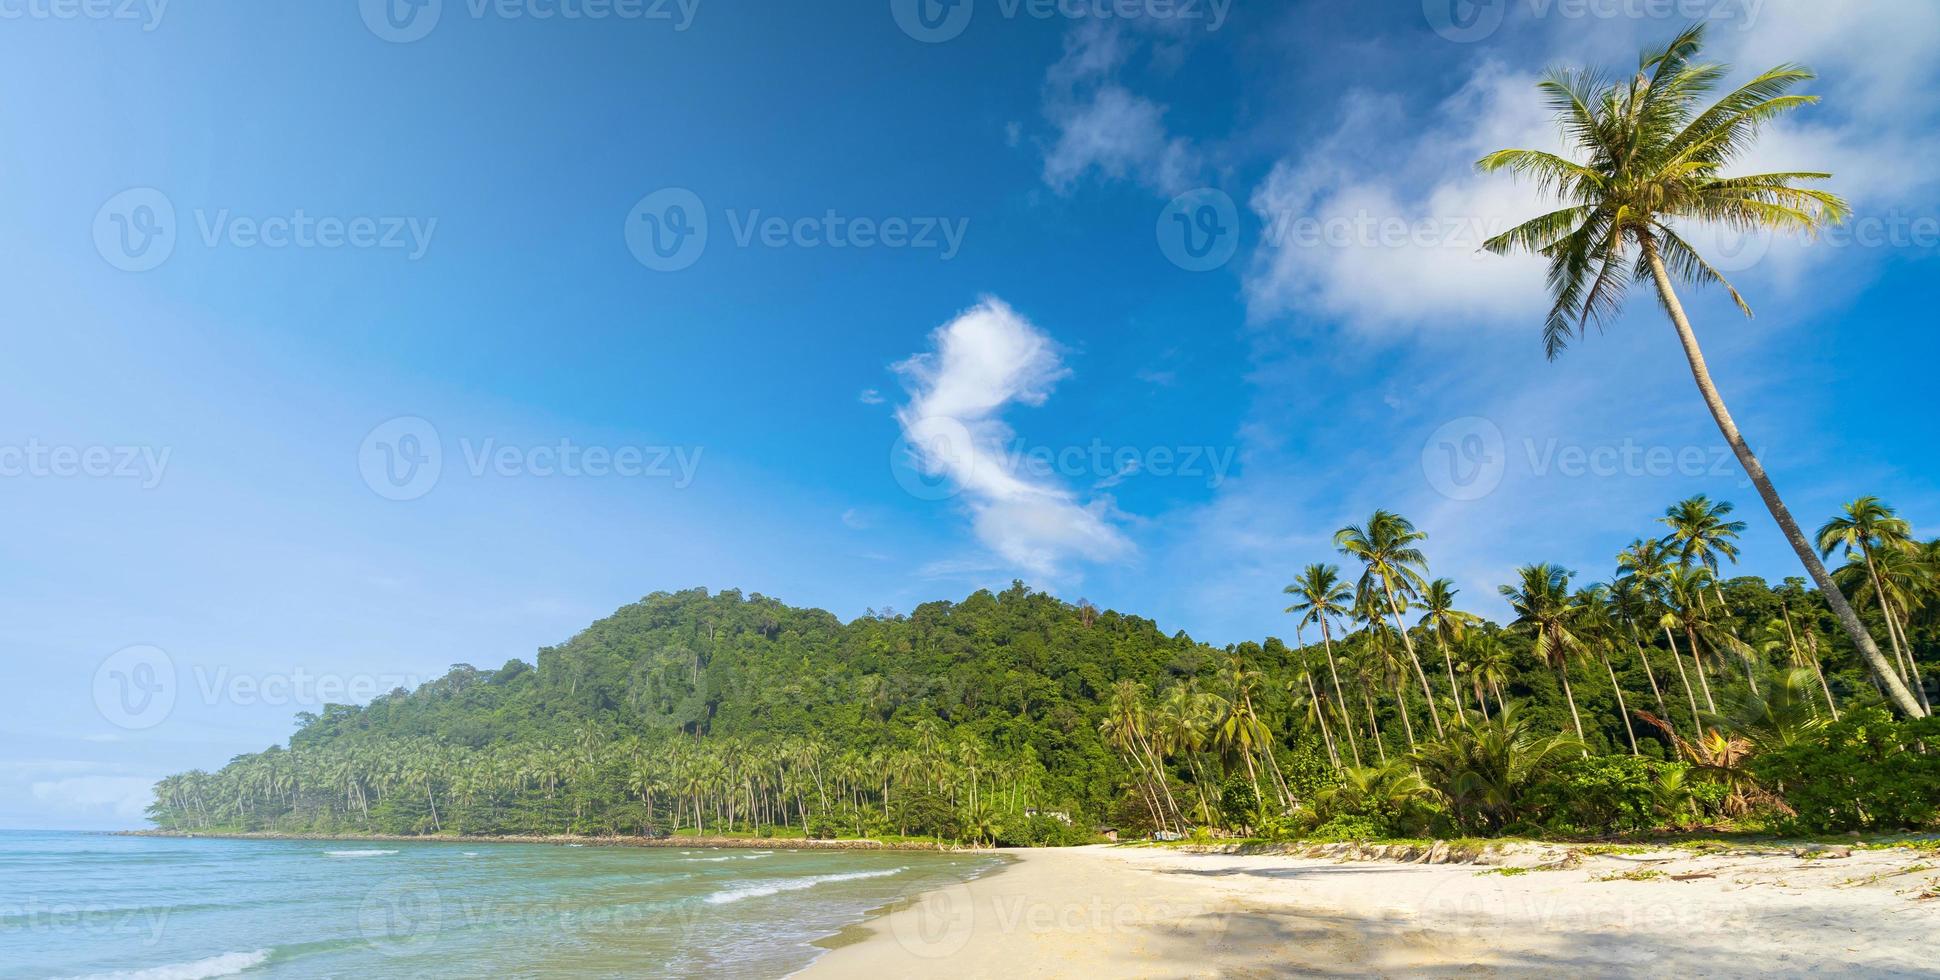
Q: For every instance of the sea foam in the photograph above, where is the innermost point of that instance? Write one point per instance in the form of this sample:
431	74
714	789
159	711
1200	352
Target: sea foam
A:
226	964
760	889
357	854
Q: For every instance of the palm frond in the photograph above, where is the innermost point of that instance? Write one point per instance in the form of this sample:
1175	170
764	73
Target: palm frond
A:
1685	263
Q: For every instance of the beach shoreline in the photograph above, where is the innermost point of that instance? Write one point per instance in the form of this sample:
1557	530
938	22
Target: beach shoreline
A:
569	840
1532	910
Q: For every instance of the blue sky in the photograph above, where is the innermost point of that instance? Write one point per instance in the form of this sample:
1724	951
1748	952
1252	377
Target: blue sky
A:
377	235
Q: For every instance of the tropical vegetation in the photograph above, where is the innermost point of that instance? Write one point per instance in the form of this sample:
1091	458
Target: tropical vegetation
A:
1671	694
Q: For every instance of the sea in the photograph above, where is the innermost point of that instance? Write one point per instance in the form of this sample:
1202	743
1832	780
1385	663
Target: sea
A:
160	908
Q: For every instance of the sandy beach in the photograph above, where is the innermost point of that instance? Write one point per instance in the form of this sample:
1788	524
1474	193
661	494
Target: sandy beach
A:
1097	912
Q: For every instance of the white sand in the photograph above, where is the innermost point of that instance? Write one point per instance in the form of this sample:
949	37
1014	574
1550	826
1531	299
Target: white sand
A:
1098	912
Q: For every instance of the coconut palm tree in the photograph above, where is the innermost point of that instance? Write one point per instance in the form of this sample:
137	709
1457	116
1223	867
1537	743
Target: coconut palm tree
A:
1628	604
1700	533
1241	731
1124	727
1870	531
1682	588
1487	662
1385	546
1598	630
1648	563
1385	657
1303	693
1319	596
1366	670
1448	623
1545	609
1776	636
1185	716
1893	582
1651	159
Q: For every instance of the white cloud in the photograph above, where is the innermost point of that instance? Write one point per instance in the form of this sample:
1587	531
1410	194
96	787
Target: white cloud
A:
1380	223
1103	126
853	520
870	396
985	360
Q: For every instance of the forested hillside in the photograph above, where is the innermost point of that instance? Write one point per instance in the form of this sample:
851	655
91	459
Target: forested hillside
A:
1666	697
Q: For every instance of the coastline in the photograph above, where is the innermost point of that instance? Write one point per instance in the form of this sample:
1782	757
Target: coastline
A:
568	840
1531	910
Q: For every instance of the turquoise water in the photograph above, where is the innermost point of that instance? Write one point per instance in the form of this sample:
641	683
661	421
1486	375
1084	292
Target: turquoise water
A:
74	904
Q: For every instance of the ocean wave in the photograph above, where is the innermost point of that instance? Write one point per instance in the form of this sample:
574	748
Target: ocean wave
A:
733	857
357	854
760	889
226	964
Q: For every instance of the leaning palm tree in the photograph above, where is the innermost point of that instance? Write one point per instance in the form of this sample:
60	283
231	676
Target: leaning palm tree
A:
1385	545
1319	596
1652	159
1545	608
1866	528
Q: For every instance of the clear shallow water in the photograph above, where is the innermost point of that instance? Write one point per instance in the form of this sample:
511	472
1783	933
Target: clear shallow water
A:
75	904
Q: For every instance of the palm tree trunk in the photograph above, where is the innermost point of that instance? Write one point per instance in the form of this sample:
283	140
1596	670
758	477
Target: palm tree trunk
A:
1625	712
1320	712
1696	724
1690	640
1649	674
1750	676
1199	783
1855	630
1327	639
1896	631
1259	805
1395	610
1158	772
1401	708
1564	673
1376	725
1799	655
1454	692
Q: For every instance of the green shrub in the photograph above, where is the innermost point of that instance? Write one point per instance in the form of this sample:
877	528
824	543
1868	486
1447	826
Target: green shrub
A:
1238	806
1351	827
1868	771
1608	793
